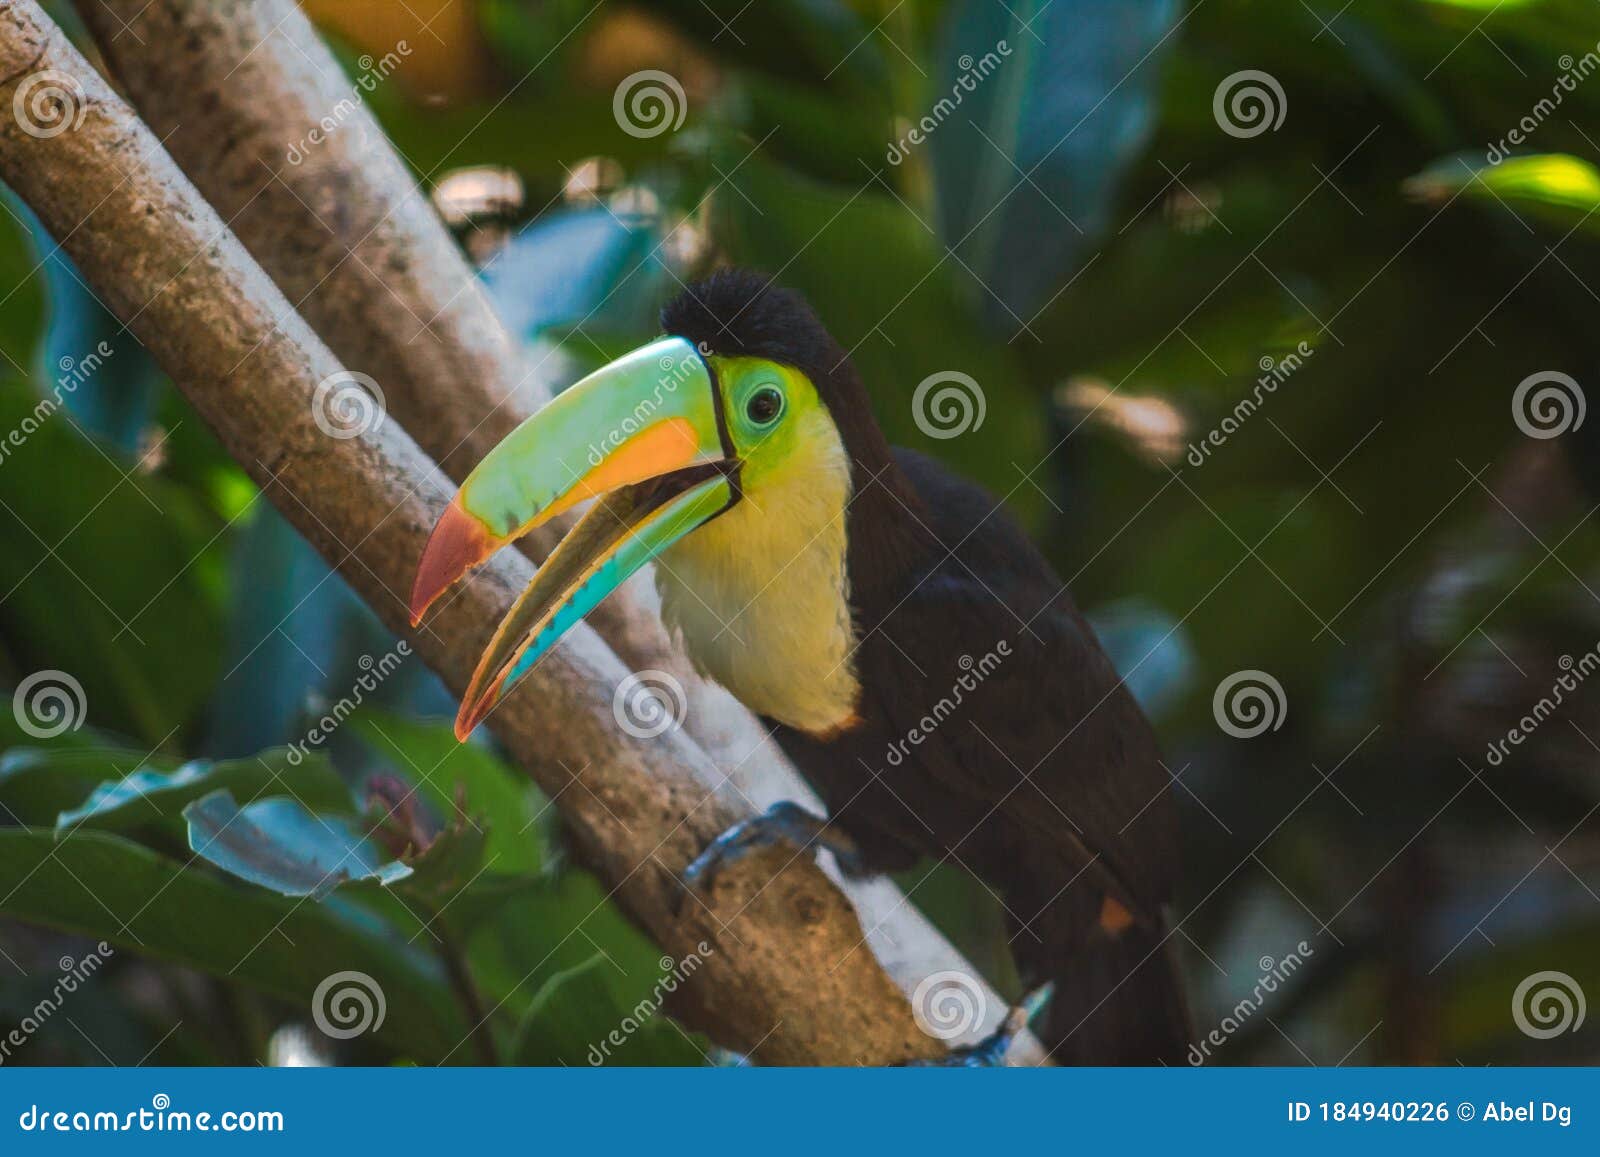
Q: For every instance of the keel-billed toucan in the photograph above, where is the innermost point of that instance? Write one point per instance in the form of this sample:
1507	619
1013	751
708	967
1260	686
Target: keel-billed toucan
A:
918	658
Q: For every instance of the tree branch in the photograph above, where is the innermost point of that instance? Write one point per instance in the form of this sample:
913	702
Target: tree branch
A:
229	87
790	984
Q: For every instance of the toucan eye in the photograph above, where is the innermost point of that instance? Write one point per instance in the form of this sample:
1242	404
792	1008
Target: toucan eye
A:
764	405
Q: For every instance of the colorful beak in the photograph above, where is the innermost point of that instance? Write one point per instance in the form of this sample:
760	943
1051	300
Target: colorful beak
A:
642	435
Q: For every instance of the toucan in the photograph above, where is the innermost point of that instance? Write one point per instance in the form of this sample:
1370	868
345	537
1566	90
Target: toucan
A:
912	651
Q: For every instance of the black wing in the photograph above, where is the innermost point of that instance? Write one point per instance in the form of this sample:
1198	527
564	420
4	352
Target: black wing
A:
1035	738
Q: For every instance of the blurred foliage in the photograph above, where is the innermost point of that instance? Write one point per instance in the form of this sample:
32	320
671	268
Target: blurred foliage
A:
1078	231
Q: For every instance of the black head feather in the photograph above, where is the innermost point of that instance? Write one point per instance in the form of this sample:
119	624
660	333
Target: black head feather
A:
739	313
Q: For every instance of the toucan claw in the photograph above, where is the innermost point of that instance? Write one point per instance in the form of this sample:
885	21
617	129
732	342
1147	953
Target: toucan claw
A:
783	823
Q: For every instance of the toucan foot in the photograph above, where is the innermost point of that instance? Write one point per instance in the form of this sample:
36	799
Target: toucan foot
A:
991	1051
782	823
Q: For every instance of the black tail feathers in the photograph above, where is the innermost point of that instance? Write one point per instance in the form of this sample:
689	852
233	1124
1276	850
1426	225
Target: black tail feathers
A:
1118	1001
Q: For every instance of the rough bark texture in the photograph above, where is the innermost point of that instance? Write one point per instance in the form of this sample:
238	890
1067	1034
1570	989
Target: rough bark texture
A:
236	90
787	983
231	88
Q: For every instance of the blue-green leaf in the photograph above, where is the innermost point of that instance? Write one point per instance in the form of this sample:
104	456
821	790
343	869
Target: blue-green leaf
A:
280	845
151	795
39	783
100	885
1035	111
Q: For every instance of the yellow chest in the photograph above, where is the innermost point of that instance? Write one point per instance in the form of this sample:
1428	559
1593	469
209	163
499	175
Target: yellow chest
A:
760	596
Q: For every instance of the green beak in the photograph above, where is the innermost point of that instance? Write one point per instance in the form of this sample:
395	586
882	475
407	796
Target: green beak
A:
642	436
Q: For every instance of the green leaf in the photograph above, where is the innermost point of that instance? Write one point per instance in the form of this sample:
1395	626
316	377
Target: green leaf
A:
22	319
154	796
1560	189
113	575
553	926
429	754
37	784
1036	110
449	865
575	1020
278	844
104	886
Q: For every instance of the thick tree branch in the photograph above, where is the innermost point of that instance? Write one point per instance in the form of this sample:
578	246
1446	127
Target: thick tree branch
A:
788	981
230	87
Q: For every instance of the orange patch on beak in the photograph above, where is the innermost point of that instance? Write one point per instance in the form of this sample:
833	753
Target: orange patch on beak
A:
659	449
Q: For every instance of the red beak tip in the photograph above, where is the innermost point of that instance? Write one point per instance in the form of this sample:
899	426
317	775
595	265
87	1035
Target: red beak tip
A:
458	543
